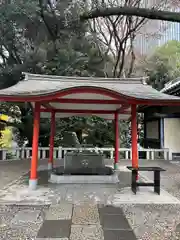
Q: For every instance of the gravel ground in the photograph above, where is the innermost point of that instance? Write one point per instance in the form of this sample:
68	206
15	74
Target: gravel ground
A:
154	222
11	230
149	221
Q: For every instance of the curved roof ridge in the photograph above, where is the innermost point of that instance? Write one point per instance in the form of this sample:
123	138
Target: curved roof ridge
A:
40	77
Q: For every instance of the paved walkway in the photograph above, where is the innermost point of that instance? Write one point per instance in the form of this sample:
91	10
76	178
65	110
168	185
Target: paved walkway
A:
65	221
12	170
80	211
87	221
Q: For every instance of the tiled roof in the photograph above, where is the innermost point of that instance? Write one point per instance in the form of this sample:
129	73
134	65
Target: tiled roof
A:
171	85
41	85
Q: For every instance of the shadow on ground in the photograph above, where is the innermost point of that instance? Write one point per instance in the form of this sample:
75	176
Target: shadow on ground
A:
43	176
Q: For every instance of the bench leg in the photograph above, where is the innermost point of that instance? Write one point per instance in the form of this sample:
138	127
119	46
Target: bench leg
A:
133	181
157	182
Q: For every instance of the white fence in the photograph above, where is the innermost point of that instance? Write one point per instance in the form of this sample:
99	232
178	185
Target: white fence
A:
59	152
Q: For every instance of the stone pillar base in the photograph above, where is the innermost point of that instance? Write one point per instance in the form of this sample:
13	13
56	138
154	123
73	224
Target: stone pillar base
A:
115	166
49	166
33	184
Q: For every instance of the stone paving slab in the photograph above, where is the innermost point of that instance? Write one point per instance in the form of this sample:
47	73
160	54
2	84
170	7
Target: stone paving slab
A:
86	232
52	238
109	210
10	230
55	229
114	223
94	193
21	194
119	235
60	211
112	218
145	195
12	170
85	214
26	216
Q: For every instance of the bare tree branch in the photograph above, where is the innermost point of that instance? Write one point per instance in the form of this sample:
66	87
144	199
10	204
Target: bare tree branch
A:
117	31
132	11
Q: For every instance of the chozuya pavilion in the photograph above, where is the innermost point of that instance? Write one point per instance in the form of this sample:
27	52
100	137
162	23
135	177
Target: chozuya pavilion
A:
59	97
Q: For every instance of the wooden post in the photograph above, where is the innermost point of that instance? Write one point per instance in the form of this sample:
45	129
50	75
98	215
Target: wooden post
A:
34	160
116	157
134	136
51	142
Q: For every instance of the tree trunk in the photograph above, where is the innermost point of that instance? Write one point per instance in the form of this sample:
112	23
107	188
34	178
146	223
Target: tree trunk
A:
79	135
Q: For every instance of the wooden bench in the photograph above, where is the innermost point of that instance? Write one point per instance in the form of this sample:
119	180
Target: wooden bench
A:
156	184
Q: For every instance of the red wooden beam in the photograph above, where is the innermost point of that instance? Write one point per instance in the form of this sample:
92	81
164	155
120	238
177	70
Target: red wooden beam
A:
34	160
51	140
83	111
134	137
86	101
116	126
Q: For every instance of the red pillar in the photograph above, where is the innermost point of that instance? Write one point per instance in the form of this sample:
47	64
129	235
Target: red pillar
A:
134	136
116	157
51	142
34	160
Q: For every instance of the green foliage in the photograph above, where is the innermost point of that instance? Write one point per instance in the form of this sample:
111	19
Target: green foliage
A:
6	138
98	131
28	44
164	64
34	40
69	60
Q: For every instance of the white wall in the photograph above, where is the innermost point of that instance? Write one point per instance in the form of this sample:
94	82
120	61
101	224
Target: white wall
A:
172	134
152	129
